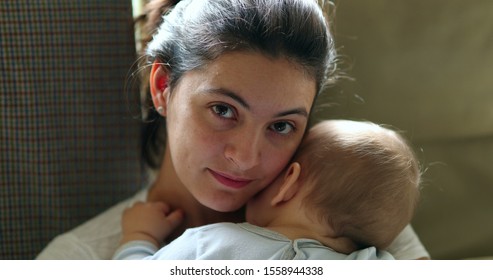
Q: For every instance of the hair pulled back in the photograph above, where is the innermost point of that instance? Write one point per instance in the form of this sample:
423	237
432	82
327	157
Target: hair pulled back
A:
189	34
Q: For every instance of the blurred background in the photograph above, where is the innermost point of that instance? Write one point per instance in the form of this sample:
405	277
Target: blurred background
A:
426	67
69	145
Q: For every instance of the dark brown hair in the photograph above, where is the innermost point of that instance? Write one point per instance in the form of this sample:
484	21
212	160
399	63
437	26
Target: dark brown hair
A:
192	33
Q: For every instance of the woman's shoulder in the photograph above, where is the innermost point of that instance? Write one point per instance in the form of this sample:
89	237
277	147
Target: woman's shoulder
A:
96	238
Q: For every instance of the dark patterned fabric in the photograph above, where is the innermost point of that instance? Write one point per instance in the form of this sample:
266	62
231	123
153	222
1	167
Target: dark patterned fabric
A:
69	143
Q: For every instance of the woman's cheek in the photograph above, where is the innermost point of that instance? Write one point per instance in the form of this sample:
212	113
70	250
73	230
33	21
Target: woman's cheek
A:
277	162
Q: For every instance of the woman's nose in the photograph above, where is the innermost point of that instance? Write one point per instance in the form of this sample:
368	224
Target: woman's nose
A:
245	149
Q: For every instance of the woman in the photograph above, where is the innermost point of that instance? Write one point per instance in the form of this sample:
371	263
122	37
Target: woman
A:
236	81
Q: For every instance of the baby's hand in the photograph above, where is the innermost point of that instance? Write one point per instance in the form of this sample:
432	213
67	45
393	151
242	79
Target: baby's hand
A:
150	221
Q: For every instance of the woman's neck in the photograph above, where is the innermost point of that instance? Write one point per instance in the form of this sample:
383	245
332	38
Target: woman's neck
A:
169	189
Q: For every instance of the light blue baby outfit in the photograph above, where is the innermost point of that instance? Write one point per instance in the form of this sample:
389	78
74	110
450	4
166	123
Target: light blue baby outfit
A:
244	241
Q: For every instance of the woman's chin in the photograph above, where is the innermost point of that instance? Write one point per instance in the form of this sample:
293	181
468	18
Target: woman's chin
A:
224	205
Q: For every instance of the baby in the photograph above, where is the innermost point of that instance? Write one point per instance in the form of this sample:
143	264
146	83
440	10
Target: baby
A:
351	188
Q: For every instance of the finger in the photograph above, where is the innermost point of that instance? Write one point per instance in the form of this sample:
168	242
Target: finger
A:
173	220
161	206
136	204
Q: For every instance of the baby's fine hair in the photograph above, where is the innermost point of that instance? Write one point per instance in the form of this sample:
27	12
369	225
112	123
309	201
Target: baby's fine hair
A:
364	180
189	34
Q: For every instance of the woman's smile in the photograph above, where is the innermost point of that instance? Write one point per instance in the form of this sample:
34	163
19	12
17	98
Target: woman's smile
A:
233	129
230	181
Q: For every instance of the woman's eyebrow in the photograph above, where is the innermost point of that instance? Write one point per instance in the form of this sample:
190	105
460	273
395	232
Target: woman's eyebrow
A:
297	111
222	91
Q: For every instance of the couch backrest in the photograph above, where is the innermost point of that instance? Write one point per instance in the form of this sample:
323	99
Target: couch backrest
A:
69	144
425	67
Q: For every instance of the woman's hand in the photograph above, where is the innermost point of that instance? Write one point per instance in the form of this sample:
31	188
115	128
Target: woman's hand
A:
150	221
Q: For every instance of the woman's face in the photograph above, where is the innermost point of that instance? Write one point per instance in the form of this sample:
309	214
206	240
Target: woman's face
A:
234	125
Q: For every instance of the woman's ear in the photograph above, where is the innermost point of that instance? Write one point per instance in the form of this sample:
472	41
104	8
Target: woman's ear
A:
290	186
158	81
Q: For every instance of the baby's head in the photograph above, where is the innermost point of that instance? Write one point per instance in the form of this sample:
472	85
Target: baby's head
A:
361	179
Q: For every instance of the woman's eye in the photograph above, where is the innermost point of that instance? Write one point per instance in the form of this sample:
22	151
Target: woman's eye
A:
223	111
282	127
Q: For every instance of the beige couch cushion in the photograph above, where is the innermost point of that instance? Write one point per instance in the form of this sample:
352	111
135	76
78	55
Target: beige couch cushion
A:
425	67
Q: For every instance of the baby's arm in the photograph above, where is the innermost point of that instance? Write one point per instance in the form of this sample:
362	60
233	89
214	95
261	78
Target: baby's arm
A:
149	221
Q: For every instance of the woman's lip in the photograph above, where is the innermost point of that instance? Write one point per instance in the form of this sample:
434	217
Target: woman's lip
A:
230	181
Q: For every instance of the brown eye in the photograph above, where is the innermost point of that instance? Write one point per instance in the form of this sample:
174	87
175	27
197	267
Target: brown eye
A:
223	111
282	127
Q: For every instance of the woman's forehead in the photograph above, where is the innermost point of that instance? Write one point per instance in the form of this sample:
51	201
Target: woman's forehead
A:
253	78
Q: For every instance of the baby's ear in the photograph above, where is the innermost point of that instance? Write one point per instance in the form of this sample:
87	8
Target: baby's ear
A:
289	187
